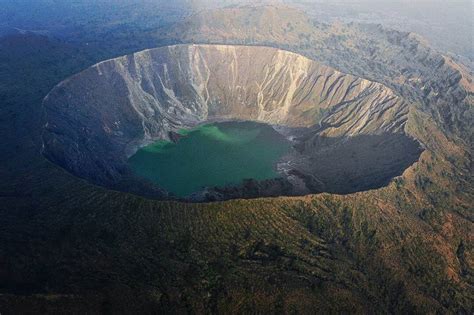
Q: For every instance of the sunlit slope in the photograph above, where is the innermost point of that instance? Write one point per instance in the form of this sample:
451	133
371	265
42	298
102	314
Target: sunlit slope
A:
403	61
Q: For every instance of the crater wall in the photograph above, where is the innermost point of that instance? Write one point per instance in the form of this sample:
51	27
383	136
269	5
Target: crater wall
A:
96	119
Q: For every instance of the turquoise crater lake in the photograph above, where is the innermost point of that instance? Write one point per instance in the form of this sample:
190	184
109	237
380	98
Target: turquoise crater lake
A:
212	155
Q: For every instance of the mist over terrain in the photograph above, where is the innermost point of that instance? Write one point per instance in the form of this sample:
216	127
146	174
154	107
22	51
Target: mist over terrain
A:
446	24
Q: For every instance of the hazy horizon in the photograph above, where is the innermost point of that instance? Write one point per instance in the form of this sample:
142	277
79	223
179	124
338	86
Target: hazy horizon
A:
447	25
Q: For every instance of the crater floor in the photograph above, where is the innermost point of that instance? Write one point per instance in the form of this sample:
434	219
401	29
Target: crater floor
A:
211	155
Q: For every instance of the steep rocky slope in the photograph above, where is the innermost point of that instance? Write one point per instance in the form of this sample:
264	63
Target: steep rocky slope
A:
96	119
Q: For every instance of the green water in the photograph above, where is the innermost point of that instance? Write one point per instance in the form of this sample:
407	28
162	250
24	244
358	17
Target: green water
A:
211	155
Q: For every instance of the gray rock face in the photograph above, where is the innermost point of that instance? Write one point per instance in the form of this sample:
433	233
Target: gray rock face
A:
98	118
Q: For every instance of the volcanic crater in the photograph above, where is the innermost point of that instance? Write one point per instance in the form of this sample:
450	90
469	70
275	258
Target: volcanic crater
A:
347	134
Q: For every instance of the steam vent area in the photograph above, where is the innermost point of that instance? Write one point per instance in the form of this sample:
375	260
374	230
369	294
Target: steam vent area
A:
216	122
